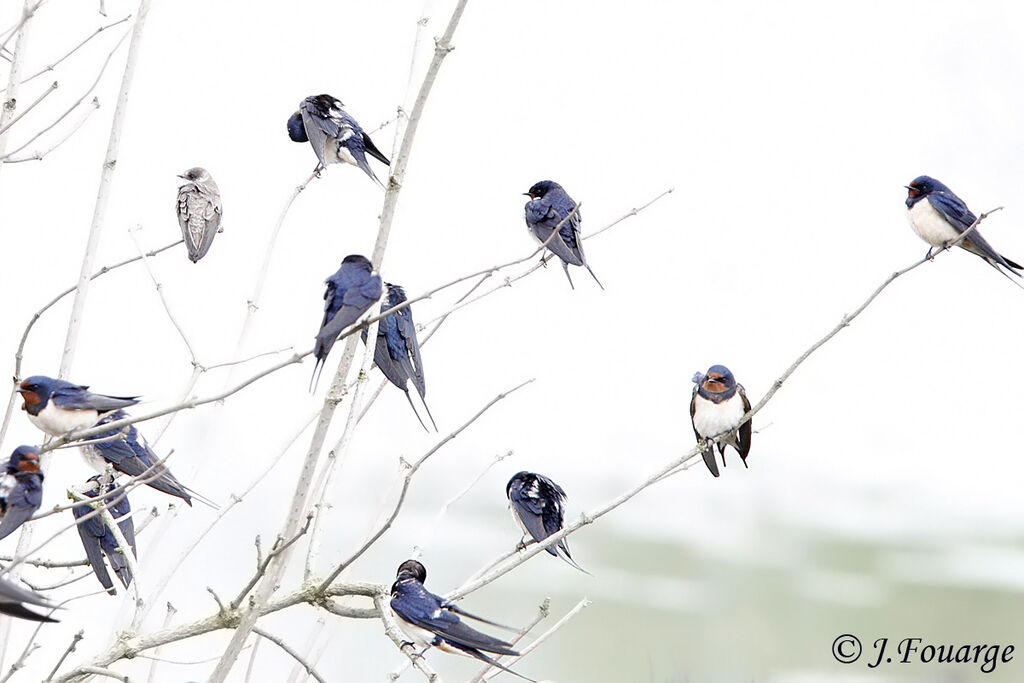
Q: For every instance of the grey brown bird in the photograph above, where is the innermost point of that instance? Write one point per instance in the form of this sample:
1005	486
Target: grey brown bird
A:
199	211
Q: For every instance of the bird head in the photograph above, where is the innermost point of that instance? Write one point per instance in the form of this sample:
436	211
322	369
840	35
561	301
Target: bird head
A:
36	390
296	128
411	569
922	186
198	174
24	459
717	379
357	260
541	189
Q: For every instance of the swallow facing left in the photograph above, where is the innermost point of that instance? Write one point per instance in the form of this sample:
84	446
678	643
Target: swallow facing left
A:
548	206
21	489
58	407
350	293
12	596
334	135
938	217
718	405
199	211
432	621
538	507
98	539
130	454
397	353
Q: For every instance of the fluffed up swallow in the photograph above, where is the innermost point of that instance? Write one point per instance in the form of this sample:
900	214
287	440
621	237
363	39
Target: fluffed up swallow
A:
58	407
397	352
98	540
12	596
548	206
432	621
350	293
718	405
130	454
21	489
199	211
538	507
334	135
938	217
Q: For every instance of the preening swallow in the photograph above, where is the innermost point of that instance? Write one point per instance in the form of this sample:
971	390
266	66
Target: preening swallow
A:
58	407
548	206
432	621
350	293
718	405
130	454
334	135
21	489
199	211
538	507
12	596
938	217
98	540
397	353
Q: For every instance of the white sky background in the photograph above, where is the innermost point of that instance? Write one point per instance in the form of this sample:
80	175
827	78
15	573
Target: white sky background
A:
787	133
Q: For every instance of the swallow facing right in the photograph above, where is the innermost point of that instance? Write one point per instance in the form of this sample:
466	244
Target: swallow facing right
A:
350	293
538	507
430	620
548	206
397	352
938	217
199	211
718	405
334	135
58	407
98	540
21	489
130	454
12	596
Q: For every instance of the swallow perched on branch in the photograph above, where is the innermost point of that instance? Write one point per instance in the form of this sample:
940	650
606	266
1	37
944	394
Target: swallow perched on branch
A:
21	489
718	405
431	621
549	205
334	135
58	407
350	293
397	352
938	217
98	540
538	507
199	211
12	596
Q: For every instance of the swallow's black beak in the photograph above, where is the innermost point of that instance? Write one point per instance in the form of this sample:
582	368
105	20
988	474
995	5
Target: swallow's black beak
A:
21	390
527	194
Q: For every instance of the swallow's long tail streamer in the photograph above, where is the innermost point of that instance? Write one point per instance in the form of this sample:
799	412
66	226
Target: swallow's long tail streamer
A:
593	276
565	267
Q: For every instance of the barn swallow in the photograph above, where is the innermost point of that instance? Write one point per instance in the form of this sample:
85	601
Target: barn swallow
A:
21	489
350	293
334	135
58	407
199	211
130	454
718	405
538	507
942	216
12	596
98	539
430	620
397	353
548	206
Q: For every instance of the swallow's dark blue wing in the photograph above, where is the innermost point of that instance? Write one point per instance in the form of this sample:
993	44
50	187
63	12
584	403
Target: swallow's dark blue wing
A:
98	540
92	531
420	607
11	597
21	503
956	213
530	510
131	455
80	398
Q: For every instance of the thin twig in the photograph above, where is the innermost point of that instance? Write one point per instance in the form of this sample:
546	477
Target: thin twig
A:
71	648
292	653
39	155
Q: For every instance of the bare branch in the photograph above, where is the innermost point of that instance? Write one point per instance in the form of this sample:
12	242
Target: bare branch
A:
393	632
46	93
292	653
38	155
580	606
71	648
